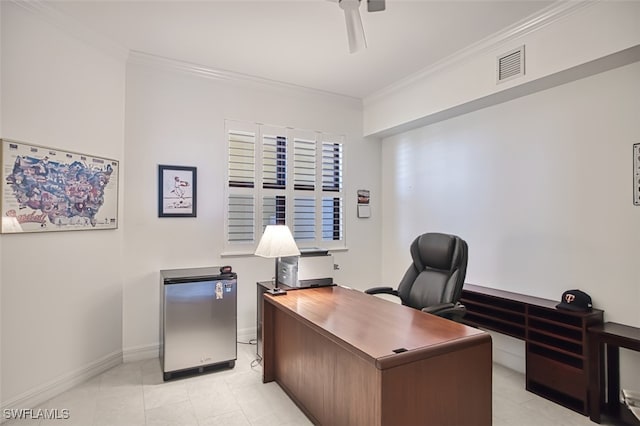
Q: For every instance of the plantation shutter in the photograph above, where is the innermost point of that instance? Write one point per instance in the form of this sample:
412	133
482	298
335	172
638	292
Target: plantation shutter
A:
241	218
274	161
304	218
280	175
273	210
304	165
331	166
332	219
242	149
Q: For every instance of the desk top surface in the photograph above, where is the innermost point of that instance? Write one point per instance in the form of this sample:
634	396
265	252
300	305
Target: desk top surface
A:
375	327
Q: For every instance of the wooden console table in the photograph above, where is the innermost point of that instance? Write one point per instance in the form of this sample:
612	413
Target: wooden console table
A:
614	336
557	354
346	357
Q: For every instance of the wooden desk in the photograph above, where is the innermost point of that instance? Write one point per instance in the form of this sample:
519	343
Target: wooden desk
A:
333	351
262	287
614	336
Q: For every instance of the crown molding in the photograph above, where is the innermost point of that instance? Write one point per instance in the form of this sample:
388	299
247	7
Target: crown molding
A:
202	71
76	29
554	12
73	28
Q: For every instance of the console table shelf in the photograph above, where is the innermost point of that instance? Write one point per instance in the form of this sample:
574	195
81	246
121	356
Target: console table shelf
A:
605	389
557	356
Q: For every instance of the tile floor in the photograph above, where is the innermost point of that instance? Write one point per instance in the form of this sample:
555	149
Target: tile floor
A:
135	394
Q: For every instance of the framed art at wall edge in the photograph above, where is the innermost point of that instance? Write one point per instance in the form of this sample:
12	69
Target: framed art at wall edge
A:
364	208
177	191
636	174
48	189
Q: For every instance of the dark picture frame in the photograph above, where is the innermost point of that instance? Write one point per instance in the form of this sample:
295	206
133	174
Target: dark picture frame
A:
177	191
636	174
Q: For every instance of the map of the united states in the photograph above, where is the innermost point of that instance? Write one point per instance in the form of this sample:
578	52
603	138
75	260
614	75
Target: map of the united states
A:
63	194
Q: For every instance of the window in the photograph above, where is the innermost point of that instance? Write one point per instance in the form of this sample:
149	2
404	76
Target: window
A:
280	175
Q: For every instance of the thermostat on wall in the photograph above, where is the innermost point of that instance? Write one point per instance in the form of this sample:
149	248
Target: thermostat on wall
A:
636	174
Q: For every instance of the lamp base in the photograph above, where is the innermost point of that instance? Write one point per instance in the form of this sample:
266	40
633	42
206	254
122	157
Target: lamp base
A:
276	292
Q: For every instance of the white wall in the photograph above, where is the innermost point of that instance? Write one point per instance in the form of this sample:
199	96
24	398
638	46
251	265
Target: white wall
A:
566	35
61	292
72	301
541	183
177	118
540	187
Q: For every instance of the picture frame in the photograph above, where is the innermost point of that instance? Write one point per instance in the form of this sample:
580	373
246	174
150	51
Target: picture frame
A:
177	191
48	189
364	208
636	174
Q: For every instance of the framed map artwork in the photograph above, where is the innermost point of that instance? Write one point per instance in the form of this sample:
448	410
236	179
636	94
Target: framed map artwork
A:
48	189
177	191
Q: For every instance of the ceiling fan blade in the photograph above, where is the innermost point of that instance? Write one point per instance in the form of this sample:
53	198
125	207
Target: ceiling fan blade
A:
375	5
355	30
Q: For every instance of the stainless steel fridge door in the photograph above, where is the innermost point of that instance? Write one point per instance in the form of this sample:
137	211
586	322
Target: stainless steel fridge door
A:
199	323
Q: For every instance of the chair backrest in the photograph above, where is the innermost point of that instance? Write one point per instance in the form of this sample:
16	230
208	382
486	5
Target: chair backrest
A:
437	273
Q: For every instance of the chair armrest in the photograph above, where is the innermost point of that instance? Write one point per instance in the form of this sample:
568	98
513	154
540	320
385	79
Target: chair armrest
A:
452	311
435	309
382	290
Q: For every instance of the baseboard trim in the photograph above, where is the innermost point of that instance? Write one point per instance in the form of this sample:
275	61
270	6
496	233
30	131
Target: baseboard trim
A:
247	334
139	353
508	352
509	360
39	394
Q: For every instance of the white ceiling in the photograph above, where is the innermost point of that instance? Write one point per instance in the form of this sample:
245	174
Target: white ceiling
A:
301	42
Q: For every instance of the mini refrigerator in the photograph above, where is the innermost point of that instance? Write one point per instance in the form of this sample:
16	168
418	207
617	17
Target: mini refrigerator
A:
198	320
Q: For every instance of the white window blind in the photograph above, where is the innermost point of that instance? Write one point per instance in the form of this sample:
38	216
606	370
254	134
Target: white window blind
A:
242	159
274	161
304	219
331	166
300	184
241	218
332	219
273	210
304	168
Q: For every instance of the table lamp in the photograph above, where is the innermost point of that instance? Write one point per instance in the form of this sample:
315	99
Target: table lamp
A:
277	242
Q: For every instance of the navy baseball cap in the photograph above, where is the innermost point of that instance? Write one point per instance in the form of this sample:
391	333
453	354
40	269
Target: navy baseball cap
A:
575	300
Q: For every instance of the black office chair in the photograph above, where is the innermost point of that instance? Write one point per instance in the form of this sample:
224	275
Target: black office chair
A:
433	283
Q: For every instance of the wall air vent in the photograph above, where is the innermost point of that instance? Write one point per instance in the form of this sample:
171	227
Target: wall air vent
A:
510	65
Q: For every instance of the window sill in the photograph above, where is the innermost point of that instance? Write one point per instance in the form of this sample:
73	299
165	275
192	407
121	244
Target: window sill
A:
230	254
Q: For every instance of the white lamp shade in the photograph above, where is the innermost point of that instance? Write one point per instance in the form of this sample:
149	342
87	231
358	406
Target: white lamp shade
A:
277	241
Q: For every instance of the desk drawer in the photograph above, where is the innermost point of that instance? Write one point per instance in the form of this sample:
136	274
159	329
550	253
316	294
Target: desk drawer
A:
553	374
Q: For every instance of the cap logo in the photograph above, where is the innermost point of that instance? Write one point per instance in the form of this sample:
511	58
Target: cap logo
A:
569	297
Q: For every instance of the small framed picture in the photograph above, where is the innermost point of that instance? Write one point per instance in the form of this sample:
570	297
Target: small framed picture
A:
177	191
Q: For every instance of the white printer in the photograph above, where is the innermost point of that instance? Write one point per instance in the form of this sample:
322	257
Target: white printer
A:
313	268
